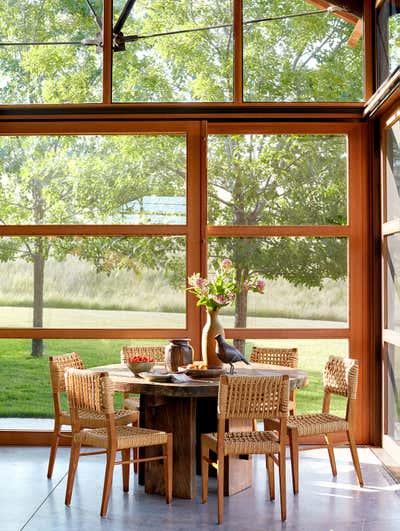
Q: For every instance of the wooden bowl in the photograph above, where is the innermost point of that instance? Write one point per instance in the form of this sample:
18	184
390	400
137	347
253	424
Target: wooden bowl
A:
140	366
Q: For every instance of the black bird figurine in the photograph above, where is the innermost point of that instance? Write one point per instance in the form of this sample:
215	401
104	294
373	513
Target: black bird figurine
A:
228	354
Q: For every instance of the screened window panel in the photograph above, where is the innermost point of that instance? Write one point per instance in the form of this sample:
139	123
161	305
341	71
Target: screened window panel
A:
92	282
56	73
306	281
194	66
277	179
393	172
297	55
93	179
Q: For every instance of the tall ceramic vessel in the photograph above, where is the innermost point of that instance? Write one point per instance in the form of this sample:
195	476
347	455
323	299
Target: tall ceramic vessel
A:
212	327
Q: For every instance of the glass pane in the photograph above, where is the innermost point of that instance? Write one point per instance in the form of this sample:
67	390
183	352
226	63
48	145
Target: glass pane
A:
28	393
393	393
393	172
306	281
91	282
56	73
393	282
277	179
299	55
388	36
313	355
160	67
93	179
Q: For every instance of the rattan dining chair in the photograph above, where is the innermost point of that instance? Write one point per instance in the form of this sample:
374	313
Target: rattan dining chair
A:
340	377
151	351
248	397
284	357
93	392
58	365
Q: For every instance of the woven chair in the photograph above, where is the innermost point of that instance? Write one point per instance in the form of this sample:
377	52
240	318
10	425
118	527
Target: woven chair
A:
93	392
58	365
156	352
340	377
284	357
248	397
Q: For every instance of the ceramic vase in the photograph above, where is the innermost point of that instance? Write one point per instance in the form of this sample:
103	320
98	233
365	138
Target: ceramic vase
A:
178	353
212	327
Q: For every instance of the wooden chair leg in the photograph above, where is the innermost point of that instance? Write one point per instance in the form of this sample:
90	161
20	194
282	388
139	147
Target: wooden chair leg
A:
125	455
255	427
205	456
220	488
294	459
271	476
108	477
168	472
53	449
73	463
354	456
331	455
282	483
135	464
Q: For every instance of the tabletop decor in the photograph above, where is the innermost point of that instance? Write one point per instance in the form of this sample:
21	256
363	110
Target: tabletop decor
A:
178	352
214	295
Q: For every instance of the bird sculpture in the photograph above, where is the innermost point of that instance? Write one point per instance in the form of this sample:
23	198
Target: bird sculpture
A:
228	354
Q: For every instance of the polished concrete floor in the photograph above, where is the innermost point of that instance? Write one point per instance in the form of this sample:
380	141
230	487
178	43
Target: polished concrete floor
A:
29	501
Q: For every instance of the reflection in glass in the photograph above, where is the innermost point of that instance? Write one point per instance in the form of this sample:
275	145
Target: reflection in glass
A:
93	282
306	281
393	390
300	58
388	39
393	284
393	172
277	179
28	393
61	73
192	66
313	355
93	179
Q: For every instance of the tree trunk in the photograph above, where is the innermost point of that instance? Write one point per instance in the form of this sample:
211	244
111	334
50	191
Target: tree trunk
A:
38	286
241	310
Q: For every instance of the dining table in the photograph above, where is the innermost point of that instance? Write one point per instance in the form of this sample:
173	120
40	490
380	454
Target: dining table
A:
186	410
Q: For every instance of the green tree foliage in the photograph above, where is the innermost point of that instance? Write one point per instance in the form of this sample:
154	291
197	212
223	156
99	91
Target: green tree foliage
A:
253	179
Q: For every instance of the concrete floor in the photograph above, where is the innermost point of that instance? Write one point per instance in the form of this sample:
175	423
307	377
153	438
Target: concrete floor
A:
31	502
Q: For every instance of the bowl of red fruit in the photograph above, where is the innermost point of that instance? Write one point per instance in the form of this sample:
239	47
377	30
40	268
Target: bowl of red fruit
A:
139	364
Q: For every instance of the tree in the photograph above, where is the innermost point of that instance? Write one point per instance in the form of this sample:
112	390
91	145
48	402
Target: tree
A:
253	180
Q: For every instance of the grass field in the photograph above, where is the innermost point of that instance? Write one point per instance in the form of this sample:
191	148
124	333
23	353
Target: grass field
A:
75	295
25	384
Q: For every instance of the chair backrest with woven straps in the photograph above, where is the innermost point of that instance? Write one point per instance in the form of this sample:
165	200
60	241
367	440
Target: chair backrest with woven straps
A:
151	351
285	357
340	377
58	365
90	391
250	397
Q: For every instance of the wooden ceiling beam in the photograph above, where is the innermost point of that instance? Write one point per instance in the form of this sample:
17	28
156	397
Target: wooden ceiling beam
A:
352	16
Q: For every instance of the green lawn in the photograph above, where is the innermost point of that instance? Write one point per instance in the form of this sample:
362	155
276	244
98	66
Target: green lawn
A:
25	384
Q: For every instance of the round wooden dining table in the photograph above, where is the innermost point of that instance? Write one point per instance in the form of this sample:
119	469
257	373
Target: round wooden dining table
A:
186	410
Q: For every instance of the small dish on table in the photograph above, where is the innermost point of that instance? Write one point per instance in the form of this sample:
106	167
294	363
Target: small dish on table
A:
200	370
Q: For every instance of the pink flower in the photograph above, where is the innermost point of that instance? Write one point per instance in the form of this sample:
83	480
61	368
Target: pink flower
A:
260	285
226	264
200	283
220	299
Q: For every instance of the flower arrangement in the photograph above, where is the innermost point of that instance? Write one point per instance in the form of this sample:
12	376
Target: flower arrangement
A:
223	289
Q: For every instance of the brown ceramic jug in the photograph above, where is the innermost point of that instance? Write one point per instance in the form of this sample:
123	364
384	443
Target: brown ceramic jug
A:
178	353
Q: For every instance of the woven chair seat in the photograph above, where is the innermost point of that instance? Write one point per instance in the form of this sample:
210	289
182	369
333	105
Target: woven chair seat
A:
317	424
126	437
90	419
246	442
133	403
